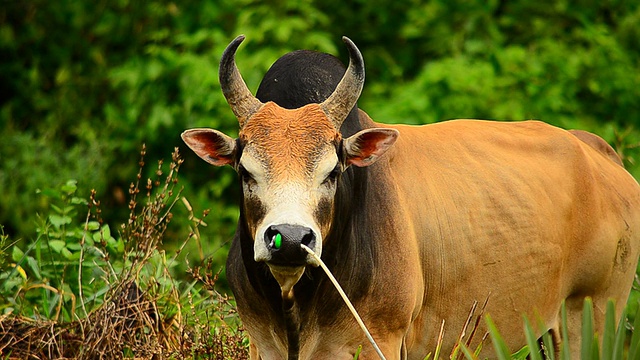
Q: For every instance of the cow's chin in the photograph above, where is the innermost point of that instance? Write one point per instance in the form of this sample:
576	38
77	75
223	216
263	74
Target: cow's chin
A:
287	277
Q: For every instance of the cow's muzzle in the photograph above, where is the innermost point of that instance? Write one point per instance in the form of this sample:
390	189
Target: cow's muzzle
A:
283	242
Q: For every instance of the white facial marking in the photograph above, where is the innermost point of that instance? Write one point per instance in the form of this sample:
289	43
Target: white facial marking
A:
291	202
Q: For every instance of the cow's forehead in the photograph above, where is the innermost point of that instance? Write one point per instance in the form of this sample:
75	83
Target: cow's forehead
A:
287	141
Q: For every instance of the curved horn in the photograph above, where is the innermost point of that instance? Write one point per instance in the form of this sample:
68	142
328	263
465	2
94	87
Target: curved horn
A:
338	105
242	102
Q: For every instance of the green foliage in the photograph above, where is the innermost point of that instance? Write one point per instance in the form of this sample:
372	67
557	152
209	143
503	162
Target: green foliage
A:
42	280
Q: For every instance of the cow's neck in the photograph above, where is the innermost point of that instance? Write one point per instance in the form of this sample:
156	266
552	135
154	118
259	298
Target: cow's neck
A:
291	312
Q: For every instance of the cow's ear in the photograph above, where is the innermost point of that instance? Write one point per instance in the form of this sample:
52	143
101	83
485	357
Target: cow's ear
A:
366	146
211	145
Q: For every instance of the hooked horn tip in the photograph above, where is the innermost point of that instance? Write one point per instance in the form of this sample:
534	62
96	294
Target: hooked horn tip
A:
232	47
354	55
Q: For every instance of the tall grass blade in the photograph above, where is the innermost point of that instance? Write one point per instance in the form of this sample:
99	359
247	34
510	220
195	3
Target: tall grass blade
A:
500	347
358	351
549	350
634	344
532	341
587	330
595	351
522	354
564	346
621	334
467	353
608	336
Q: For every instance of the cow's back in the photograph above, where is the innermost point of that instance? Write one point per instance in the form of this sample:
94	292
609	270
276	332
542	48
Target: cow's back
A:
523	213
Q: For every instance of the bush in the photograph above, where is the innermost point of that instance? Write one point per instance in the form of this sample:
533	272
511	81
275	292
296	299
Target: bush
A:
81	291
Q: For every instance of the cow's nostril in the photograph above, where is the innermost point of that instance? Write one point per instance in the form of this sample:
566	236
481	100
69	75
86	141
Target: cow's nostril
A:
309	239
283	242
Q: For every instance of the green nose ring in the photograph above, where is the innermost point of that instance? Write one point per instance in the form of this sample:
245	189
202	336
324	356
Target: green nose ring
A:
277	241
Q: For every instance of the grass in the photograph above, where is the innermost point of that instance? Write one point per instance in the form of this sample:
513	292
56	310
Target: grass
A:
613	339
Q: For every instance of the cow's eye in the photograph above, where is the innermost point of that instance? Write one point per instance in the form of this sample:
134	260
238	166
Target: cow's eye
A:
333	175
244	174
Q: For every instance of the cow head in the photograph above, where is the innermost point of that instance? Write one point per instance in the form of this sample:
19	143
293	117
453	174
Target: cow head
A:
289	162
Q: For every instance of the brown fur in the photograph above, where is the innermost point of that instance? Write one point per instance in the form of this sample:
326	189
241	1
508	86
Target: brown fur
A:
599	144
289	140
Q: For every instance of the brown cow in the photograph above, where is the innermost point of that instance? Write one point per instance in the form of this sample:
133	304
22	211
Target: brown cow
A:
416	222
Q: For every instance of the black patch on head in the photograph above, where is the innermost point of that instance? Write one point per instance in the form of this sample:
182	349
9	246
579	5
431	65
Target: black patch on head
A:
324	212
254	210
305	77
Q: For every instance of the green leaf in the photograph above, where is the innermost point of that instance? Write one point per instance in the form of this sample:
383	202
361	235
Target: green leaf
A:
521	354
33	264
634	343
16	254
70	187
106	232
608	337
586	352
500	347
565	351
547	340
465	350
57	245
57	209
68	254
59	220
621	334
93	225
532	341
11	283
358	351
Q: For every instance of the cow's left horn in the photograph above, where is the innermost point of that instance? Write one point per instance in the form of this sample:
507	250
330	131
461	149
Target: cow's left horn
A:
242	102
338	105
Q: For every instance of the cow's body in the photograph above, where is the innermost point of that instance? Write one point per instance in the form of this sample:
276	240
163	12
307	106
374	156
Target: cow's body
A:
522	213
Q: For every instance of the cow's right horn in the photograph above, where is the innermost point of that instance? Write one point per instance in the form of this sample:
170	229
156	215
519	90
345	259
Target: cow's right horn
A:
242	102
338	105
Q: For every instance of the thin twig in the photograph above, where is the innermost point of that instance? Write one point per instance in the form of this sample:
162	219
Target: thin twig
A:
80	261
439	343
455	353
